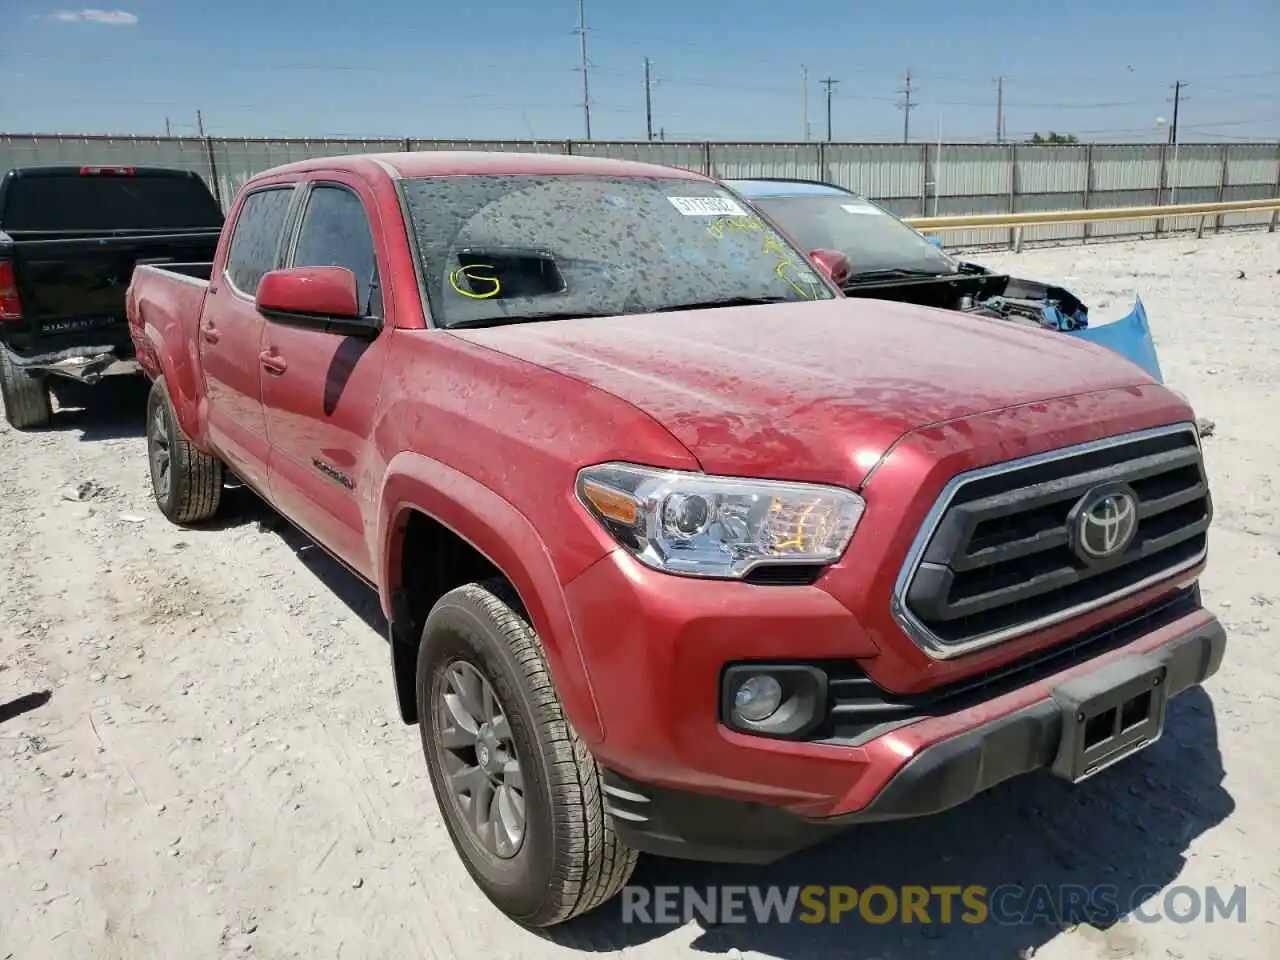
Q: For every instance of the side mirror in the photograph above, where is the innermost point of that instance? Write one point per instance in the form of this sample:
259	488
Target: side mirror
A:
834	265
317	298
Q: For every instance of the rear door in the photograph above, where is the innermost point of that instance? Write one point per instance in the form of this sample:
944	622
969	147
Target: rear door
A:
231	331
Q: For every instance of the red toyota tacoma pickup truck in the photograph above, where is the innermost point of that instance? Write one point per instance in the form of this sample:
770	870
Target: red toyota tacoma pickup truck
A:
680	551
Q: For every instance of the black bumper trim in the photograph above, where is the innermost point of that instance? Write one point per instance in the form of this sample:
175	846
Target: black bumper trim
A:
695	826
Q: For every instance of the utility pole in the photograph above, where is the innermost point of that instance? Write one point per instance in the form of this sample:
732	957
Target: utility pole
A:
1000	109
804	87
648	99
829	83
586	80
200	122
906	106
1177	99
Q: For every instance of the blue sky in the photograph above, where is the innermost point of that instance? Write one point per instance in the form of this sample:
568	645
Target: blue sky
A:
1103	70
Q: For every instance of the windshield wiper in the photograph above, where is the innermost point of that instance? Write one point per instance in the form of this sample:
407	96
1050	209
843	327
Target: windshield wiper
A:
894	273
505	319
724	302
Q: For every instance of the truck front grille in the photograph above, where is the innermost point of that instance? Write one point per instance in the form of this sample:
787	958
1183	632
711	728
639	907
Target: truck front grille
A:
1020	546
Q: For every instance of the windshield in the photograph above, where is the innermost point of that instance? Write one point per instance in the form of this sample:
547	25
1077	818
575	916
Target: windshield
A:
497	249
870	237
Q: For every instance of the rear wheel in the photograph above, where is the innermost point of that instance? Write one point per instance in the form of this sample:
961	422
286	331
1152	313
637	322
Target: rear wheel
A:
26	398
186	482
519	791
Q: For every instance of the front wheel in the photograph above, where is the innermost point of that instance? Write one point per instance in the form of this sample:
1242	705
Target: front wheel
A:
186	482
519	791
26	398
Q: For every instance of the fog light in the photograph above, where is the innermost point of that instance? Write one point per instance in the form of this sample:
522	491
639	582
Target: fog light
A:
757	698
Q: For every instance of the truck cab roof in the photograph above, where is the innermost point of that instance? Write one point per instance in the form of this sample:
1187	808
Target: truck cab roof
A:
454	163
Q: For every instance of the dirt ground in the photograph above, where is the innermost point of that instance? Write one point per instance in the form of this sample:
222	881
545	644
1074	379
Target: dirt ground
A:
199	755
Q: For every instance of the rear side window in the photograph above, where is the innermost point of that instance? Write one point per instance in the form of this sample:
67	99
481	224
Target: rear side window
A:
109	202
335	233
255	245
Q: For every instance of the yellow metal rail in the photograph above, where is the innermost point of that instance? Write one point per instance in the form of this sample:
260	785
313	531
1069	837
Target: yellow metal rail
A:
979	221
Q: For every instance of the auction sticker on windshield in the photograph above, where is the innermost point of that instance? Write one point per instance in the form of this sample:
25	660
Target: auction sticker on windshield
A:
869	209
707	207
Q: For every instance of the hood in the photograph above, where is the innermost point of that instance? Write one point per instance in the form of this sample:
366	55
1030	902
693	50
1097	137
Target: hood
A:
810	391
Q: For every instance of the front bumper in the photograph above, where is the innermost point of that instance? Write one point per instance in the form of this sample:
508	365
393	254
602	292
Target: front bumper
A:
979	754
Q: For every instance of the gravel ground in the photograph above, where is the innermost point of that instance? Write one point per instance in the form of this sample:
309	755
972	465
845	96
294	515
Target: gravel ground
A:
199	755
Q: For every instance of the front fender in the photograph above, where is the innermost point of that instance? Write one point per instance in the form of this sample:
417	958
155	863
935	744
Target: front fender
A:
506	537
1130	337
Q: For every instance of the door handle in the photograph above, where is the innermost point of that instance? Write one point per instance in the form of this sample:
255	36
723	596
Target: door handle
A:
210	334
273	363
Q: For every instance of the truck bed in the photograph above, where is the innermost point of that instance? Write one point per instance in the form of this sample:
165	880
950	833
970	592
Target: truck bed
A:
163	305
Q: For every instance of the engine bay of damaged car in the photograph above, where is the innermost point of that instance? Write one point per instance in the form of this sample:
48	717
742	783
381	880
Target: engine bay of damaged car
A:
870	253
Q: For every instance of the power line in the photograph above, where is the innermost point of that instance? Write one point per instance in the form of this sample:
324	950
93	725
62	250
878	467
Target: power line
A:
829	83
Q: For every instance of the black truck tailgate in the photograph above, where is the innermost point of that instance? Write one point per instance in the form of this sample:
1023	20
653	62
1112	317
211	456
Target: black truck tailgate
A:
73	287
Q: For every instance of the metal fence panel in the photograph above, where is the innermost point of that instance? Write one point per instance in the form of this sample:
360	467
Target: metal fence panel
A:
1194	165
881	171
1253	163
1052	169
235	161
686	156
801	161
909	179
180	153
496	146
1126	167
964	170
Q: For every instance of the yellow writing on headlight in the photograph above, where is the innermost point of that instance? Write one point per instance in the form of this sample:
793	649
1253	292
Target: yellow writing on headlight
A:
792	532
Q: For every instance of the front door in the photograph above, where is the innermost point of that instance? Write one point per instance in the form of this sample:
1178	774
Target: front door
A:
321	393
231	331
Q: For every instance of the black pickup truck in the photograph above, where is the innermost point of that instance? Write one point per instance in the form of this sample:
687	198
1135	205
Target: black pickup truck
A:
70	237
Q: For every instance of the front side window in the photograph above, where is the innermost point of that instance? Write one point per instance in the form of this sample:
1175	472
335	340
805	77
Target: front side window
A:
335	233
497	249
255	245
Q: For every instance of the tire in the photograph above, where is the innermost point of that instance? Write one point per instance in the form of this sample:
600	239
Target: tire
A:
26	398
569	860
186	482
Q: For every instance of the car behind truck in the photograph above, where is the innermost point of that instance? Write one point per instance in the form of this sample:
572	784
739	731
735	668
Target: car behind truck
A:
69	240
680	551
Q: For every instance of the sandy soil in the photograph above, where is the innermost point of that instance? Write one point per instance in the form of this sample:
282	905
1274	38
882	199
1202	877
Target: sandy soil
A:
199	755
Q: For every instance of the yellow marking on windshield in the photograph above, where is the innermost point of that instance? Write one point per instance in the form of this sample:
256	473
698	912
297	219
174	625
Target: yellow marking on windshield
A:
772	245
454	281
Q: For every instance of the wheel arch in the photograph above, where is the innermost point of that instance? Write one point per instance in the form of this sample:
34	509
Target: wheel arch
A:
428	509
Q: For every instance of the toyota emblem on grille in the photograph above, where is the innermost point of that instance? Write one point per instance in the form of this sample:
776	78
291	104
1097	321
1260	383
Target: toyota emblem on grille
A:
1104	522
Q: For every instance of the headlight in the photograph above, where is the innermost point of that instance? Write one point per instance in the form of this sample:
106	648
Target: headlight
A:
707	526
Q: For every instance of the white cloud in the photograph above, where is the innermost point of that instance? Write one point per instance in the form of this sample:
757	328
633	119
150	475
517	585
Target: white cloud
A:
112	18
